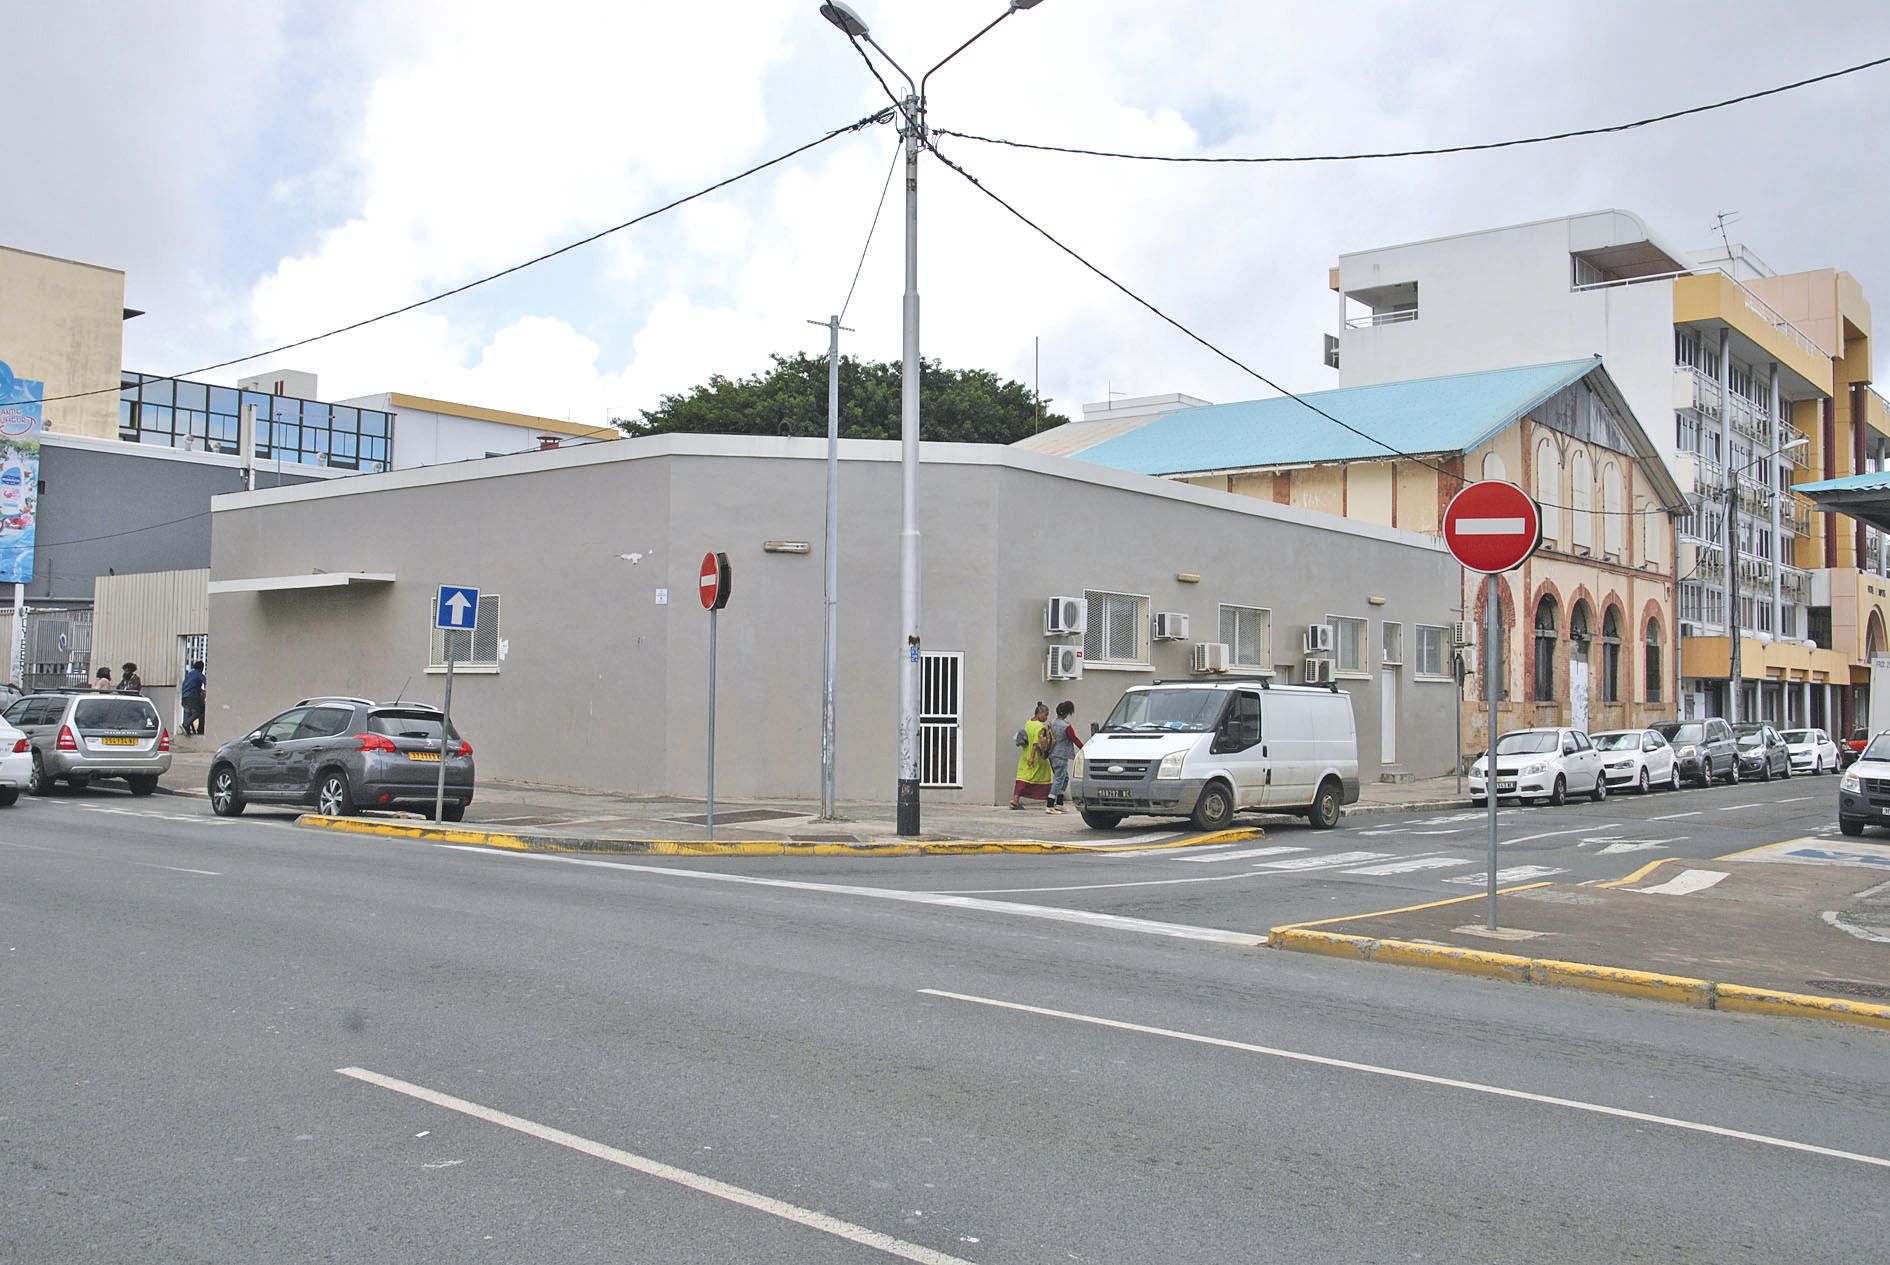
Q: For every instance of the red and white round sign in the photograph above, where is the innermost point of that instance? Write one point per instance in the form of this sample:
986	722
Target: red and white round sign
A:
1492	526
711	581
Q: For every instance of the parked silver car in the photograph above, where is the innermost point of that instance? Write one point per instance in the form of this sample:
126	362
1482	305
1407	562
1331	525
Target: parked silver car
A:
81	736
342	755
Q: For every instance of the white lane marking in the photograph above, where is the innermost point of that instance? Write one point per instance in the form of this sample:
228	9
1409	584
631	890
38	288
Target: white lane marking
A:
1795	799
94	856
1685	883
1460	831
1514	874
1277	850
1447	1082
1676	816
948	900
1488	527
1629	845
1412	864
1391	830
1550	834
807	1217
1739	808
1320	862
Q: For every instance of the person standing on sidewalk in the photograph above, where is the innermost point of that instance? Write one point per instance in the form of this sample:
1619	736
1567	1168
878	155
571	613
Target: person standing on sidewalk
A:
192	691
1033	763
131	682
102	683
1064	744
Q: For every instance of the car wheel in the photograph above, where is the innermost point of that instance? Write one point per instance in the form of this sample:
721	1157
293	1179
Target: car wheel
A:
1600	792
37	783
1765	771
142	783
332	796
9	796
452	812
1101	821
1559	796
1732	774
1788	770
1647	781
1324	813
226	793
1215	808
1851	825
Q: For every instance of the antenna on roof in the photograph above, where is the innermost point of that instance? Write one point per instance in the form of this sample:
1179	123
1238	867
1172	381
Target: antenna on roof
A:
1724	218
403	688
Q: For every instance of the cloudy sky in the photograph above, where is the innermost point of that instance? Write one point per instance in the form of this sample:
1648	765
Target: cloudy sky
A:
264	170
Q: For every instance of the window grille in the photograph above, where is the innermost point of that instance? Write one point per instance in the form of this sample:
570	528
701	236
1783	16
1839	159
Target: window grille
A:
1118	629
477	647
1248	634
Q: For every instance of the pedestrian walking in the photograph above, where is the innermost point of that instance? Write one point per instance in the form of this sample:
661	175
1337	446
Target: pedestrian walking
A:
1065	742
1033	762
131	682
192	692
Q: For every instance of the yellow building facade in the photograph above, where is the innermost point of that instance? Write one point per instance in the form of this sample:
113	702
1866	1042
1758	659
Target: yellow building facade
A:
62	325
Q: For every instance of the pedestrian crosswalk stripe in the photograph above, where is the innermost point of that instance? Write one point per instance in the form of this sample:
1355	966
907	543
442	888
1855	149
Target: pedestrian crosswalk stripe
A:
1514	874
1411	864
1274	851
1315	862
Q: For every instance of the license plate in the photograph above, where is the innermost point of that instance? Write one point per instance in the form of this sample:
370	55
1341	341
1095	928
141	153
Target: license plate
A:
432	756
1505	786
118	742
1884	811
1106	793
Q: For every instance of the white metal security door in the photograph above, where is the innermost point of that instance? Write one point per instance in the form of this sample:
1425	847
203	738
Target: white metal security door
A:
941	678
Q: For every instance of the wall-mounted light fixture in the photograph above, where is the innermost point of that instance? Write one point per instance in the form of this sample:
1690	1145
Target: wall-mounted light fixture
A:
1376	601
1187	577
786	546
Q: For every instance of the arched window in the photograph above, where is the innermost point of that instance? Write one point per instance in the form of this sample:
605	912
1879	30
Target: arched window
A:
1493	467
1612	521
1653	661
1543	687
1549	487
1611	656
1581	501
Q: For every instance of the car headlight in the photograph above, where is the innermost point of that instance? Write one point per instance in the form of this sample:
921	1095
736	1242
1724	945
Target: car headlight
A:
1689	751
1851	783
1477	768
1076	765
1539	766
1170	767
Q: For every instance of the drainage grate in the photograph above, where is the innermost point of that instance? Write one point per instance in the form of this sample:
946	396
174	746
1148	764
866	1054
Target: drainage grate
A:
1852	988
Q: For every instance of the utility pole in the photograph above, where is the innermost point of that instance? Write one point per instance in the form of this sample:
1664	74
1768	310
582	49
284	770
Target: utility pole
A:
830	552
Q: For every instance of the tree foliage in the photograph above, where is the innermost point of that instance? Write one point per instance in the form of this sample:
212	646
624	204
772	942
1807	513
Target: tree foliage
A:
955	405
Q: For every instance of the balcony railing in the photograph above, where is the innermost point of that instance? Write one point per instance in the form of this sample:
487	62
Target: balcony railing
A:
1756	305
1794	585
1396	316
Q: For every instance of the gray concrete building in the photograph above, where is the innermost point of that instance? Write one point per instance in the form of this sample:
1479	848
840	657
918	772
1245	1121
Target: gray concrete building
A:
589	664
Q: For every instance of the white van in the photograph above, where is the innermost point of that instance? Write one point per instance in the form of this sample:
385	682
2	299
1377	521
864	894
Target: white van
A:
1207	750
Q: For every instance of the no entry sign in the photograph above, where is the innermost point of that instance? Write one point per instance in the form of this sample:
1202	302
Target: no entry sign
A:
714	581
1492	526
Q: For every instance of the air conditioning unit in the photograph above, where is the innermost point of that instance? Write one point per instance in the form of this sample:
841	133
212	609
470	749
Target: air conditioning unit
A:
1171	626
1063	663
1689	629
1318	639
1065	616
1316	671
1464	633
1209	656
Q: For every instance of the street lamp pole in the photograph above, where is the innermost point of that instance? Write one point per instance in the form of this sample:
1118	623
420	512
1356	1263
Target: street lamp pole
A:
912	110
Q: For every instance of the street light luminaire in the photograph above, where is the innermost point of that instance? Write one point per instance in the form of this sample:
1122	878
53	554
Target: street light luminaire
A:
845	18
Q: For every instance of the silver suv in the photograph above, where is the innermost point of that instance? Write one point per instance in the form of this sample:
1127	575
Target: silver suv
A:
343	755
80	736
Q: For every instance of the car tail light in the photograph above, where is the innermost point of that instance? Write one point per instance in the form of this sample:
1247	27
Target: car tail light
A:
164	740
465	748
66	741
23	745
377	742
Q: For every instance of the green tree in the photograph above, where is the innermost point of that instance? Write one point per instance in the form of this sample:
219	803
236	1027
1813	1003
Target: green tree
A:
955	405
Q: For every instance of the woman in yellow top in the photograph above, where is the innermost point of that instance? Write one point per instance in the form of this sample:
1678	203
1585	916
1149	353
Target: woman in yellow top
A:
1033	763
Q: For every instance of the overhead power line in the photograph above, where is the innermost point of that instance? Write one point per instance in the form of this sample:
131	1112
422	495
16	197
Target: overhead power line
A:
881	116
1390	448
1420	153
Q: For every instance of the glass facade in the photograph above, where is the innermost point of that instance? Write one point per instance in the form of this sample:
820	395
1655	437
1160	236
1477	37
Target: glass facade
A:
172	413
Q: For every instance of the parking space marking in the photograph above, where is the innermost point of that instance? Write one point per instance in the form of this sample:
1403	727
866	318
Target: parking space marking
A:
1411	865
1422	1078
1514	874
812	1220
1685	883
1243	854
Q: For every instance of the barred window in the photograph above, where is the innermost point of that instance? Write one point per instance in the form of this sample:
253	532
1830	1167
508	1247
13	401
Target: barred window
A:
1348	644
1117	633
474	648
1433	651
1248	634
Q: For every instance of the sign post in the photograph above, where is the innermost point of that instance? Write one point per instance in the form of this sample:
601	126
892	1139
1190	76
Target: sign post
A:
455	609
1491	527
714	585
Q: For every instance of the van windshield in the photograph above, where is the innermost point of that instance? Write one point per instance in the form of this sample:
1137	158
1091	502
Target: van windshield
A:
1178	711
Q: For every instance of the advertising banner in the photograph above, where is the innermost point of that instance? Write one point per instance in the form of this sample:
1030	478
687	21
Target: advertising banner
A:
19	474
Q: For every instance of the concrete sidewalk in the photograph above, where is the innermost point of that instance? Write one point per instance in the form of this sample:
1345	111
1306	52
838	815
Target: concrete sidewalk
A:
563	813
1801	928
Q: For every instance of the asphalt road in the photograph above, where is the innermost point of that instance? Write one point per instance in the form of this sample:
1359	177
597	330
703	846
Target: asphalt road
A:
552	1060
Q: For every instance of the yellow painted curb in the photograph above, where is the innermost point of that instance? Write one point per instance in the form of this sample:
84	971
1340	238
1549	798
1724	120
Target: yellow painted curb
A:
513	842
1621	982
1764	1001
1444	957
1326	942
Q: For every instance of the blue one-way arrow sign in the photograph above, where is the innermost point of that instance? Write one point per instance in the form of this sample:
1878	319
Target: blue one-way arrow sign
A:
456	608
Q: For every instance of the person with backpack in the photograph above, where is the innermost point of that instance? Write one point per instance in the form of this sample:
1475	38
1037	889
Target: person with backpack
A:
1033	762
1065	742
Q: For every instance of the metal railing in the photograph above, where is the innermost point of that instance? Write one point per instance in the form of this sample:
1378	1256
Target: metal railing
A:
1397	316
1756	305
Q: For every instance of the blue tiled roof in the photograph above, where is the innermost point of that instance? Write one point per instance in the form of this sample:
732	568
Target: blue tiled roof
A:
1871	481
1424	415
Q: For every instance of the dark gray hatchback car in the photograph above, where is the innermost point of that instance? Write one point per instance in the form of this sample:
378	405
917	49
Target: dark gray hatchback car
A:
342	755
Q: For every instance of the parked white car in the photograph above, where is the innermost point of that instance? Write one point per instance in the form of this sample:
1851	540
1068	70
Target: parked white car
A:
1547	765
1811	750
1640	758
16	763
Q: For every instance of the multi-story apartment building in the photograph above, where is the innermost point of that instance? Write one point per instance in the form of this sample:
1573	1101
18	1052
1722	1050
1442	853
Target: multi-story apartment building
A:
1761	376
